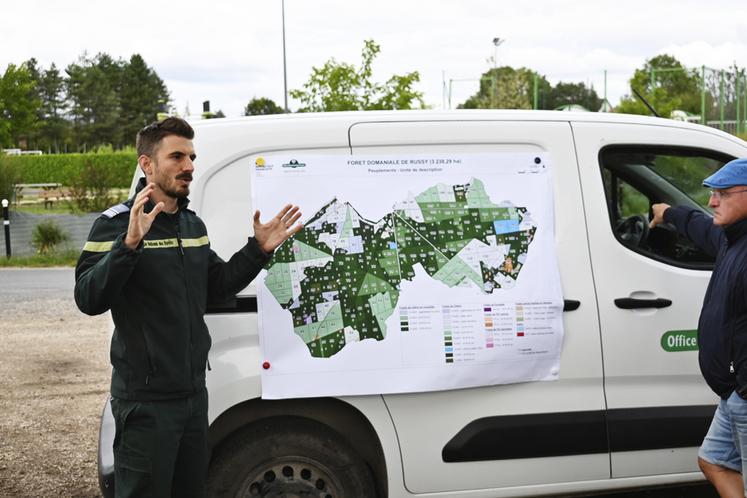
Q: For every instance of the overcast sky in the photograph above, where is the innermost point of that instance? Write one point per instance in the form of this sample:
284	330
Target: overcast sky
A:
228	51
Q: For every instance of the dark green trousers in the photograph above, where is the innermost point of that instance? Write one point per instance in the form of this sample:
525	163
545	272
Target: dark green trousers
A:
161	447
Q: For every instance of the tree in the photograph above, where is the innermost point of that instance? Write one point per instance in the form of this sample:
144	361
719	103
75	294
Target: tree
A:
673	87
505	88
19	105
339	86
110	100
94	103
53	129
261	106
508	88
574	93
724	87
142	96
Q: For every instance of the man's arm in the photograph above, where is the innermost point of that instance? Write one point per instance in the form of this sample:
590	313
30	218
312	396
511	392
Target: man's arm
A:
227	278
691	223
110	254
103	268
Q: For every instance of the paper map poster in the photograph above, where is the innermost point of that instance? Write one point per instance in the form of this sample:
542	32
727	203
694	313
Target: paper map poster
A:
412	273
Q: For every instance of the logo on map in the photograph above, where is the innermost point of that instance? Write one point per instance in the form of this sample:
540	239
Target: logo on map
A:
293	163
261	164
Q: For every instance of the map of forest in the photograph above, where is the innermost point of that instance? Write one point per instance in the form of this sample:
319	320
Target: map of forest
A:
340	276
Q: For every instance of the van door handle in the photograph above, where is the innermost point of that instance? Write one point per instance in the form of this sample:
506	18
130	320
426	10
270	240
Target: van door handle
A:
630	303
570	304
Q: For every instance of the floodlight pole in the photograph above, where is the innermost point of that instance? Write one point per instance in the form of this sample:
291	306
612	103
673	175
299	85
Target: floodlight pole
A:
443	89
497	42
703	96
605	90
285	72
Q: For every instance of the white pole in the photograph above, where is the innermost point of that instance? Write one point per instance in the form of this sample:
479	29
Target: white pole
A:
285	72
6	224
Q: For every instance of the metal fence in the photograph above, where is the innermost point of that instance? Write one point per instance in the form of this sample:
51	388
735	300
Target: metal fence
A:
22	226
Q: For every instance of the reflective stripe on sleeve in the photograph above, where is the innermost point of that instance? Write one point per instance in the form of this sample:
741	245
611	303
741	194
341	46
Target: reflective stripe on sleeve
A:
98	246
202	241
150	244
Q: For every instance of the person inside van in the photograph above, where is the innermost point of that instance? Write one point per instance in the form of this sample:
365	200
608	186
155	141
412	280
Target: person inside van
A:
149	261
722	328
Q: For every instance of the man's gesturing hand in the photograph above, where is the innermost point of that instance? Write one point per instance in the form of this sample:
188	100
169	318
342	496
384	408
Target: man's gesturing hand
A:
140	222
276	231
658	214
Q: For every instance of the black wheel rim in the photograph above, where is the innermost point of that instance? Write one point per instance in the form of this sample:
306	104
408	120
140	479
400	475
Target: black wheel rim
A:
290	477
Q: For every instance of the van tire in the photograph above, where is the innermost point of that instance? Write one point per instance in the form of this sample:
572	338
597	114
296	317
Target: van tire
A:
292	456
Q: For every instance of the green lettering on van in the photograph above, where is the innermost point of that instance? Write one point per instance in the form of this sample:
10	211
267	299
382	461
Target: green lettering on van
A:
680	340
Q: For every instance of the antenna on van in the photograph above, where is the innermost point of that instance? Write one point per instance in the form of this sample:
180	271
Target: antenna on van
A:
645	102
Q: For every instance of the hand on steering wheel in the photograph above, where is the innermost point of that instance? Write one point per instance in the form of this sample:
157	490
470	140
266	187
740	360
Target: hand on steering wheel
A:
633	230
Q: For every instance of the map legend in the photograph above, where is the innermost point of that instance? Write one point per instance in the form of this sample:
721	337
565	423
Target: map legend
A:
448	347
499	326
418	318
488	327
519	320
404	324
448	339
463	325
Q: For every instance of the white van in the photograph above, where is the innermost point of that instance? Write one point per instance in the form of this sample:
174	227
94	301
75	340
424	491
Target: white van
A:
630	407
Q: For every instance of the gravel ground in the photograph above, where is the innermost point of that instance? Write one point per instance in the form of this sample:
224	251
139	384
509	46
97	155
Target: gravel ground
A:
54	379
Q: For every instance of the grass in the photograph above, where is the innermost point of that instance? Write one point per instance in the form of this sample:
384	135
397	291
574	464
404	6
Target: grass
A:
57	208
66	257
35	204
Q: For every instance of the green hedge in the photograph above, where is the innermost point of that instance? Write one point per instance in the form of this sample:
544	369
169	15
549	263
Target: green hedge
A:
67	169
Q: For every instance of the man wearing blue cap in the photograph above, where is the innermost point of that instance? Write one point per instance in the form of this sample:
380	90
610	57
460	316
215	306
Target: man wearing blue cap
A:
722	328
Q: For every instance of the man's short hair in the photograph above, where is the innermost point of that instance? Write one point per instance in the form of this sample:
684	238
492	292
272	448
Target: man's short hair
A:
149	138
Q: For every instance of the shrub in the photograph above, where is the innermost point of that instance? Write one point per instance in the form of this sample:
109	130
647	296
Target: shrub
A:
46	236
91	189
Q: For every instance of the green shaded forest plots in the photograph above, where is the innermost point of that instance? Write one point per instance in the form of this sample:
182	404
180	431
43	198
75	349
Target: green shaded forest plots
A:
350	278
449	225
358	287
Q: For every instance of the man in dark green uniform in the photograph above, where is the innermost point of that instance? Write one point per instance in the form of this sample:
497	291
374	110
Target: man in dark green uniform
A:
149	261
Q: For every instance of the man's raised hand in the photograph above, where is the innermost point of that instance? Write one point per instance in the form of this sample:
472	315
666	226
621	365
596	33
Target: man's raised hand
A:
140	222
276	231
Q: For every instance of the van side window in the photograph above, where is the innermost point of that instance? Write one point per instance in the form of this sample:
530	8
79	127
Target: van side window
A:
637	177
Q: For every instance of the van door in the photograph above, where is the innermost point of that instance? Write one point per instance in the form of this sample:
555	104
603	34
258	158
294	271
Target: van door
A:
650	287
498	436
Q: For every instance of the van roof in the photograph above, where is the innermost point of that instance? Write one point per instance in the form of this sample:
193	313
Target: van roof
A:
352	117
457	114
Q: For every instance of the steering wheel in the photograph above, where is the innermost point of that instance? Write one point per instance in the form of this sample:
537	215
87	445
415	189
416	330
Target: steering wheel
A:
633	230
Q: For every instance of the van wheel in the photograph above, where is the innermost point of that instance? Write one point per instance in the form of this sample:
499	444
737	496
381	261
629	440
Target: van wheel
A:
296	457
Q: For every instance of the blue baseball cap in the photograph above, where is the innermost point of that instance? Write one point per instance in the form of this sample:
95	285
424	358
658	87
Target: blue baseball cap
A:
731	174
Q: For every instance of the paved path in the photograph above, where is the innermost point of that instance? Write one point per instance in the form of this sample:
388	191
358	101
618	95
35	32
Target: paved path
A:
23	283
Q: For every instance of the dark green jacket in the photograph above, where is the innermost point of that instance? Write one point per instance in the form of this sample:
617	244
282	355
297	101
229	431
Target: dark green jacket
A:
158	294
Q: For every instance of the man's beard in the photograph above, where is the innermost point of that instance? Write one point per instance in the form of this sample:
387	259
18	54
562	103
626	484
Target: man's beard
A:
174	193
